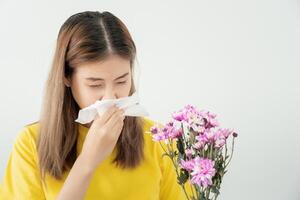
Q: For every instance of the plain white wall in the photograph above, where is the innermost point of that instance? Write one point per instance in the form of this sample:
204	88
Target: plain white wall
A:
239	59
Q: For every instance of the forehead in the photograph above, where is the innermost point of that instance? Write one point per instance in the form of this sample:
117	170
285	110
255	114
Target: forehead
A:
111	67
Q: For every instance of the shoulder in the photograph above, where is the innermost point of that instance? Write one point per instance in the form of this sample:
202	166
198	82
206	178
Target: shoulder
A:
29	131
148	123
151	145
21	178
27	136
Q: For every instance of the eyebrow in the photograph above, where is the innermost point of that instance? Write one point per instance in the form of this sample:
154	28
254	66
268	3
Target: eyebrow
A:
101	79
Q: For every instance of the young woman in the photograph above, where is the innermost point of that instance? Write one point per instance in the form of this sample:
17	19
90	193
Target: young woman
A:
111	158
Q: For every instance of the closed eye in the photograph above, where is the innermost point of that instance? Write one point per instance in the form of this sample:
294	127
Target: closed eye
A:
122	82
95	86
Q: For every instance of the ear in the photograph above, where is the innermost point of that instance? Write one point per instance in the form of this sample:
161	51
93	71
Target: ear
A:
67	82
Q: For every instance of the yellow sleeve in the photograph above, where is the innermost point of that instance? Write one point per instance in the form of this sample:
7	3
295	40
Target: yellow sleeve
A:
21	178
170	189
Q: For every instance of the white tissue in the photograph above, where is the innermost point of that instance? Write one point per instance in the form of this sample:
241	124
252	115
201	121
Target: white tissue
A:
130	105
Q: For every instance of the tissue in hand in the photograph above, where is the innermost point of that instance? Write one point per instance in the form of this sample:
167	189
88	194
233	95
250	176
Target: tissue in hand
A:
130	105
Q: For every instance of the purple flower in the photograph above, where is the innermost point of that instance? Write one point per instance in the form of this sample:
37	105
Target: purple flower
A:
168	131
187	165
220	136
172	131
195	122
202	170
210	119
202	140
182	115
154	129
225	132
179	116
198	145
189	153
201	134
158	134
216	137
191	117
210	135
234	134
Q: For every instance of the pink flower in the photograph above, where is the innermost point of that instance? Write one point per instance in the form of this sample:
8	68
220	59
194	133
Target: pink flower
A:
199	145
187	165
220	136
179	116
154	129
203	172
216	137
226	132
168	131
158	134
189	153
190	116
201	141
210	135
172	131
210	118
201	134
195	122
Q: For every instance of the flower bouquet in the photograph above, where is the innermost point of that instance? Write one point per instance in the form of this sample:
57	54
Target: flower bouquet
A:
199	150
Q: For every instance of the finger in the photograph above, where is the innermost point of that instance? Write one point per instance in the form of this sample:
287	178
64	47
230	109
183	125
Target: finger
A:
107	114
115	118
114	129
117	129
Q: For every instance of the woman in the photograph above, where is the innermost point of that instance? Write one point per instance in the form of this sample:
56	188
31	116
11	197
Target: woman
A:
111	158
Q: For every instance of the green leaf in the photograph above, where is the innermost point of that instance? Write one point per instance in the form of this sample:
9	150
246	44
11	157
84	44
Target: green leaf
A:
183	177
180	145
215	190
179	157
202	197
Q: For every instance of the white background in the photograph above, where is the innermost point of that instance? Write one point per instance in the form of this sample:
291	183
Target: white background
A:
239	59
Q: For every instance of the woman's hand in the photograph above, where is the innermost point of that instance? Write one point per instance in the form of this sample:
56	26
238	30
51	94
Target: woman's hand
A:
99	143
102	137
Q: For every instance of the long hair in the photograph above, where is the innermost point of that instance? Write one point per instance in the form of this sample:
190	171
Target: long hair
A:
84	37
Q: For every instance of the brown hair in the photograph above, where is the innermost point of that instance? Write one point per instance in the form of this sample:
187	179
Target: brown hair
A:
84	37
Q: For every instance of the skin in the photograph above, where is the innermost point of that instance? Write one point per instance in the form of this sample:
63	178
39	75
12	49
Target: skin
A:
104	130
86	91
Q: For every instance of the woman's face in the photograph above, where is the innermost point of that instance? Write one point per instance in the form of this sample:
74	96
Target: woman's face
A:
108	79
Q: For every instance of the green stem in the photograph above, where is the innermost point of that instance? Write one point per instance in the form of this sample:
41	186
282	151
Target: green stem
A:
163	147
232	148
207	193
176	169
192	188
211	150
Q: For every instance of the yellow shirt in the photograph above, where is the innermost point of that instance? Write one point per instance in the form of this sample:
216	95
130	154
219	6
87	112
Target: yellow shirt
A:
153	179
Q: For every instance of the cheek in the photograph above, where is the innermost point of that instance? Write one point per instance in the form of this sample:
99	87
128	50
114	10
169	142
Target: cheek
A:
89	95
83	95
124	90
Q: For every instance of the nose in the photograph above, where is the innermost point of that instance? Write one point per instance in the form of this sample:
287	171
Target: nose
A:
109	94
